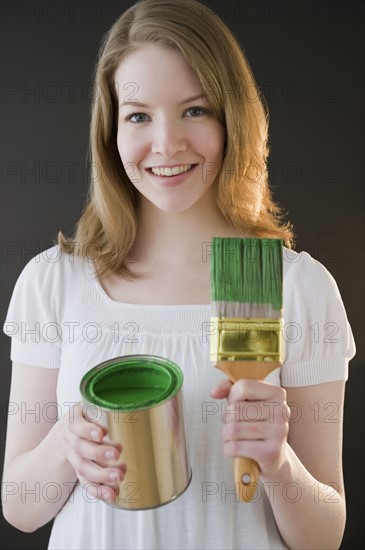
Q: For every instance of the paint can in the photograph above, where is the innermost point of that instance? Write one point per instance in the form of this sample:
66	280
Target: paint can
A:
139	398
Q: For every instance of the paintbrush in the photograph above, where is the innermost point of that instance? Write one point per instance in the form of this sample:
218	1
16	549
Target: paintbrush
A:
246	336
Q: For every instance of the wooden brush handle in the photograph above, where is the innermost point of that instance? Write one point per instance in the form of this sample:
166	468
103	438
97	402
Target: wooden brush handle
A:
256	370
246	477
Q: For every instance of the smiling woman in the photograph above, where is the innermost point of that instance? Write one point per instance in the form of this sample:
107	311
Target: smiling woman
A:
171	134
179	155
194	39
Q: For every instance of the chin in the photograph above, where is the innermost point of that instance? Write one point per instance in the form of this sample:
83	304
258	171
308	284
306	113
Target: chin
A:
173	209
172	206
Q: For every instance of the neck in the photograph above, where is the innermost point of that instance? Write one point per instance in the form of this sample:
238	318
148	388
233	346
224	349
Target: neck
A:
177	238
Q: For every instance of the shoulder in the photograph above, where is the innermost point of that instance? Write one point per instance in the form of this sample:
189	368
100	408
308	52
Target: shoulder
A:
51	268
311	293
46	286
306	279
301	264
48	280
317	335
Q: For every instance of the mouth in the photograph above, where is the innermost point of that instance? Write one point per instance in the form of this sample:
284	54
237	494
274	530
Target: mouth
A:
169	171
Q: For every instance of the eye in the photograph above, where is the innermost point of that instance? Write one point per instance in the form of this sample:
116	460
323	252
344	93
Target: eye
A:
197	111
138	117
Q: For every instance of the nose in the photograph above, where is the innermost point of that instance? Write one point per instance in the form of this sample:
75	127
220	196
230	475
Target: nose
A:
168	138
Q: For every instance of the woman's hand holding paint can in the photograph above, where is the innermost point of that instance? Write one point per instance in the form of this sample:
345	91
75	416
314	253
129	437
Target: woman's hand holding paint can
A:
94	459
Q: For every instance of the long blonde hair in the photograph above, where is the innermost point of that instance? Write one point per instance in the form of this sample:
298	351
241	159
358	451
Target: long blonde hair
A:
106	229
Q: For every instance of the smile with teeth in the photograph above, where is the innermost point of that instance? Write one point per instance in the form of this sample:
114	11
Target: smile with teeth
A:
171	170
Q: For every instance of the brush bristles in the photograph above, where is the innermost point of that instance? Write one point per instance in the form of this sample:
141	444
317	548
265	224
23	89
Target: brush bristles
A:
247	277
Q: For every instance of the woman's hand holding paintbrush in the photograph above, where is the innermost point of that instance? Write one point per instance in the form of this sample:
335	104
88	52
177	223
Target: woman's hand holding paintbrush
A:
247	299
258	426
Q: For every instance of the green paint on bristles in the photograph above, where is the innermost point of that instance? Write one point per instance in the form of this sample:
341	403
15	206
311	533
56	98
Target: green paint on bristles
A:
247	270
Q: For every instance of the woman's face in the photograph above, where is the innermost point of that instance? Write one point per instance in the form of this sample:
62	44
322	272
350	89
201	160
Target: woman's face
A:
169	141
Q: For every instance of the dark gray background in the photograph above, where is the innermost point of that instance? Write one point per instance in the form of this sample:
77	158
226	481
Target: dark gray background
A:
307	58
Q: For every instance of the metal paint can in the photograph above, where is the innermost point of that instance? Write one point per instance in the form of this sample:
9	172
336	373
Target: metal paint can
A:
139	399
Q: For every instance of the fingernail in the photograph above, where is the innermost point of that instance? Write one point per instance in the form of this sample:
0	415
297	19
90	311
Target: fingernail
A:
109	455
94	434
106	494
113	476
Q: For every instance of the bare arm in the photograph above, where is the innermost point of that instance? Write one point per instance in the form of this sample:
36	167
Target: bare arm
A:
301	468
44	457
309	502
33	458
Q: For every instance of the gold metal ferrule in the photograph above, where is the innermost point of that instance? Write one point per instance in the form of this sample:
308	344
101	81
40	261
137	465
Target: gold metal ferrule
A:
252	339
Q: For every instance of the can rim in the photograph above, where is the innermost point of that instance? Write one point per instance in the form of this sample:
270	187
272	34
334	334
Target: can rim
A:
130	362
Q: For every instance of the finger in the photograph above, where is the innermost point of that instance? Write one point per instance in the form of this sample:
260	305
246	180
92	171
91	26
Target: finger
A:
248	411
82	427
104	454
96	474
256	390
95	490
221	389
260	441
238	431
262	451
246	448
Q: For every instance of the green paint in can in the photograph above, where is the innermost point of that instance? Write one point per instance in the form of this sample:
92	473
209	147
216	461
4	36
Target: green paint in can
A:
130	382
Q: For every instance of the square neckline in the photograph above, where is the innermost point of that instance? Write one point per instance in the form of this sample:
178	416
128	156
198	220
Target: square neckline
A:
102	292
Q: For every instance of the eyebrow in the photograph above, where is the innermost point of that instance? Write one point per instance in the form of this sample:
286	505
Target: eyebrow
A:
144	106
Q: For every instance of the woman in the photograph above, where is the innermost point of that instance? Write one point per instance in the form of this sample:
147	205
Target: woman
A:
179	150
